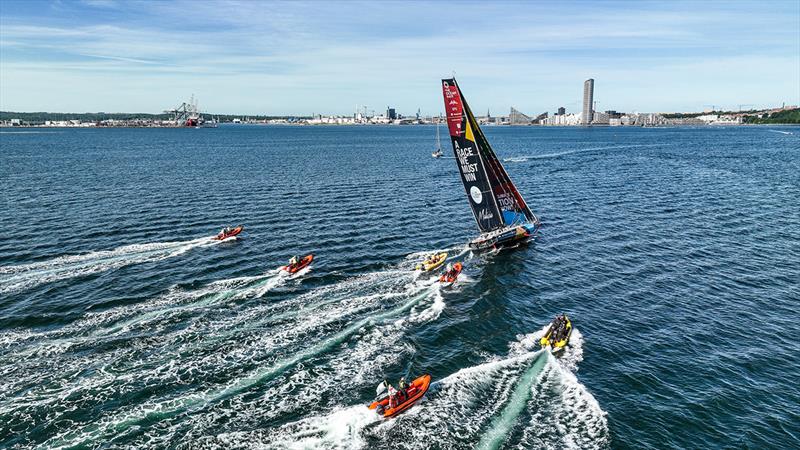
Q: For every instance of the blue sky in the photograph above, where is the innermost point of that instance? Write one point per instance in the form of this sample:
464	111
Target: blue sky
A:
257	57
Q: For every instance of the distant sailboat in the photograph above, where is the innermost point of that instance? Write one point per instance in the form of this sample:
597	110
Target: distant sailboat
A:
502	215
438	152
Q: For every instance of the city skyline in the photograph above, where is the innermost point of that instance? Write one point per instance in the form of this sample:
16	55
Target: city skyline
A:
303	58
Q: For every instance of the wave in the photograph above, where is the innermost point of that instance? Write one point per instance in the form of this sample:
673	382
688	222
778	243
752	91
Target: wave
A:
26	276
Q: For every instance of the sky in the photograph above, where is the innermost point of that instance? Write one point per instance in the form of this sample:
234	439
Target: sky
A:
327	57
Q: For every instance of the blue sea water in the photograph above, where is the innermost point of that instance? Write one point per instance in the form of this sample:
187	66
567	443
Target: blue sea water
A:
676	252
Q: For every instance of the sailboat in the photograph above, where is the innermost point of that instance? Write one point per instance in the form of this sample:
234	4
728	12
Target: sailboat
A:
502	215
438	152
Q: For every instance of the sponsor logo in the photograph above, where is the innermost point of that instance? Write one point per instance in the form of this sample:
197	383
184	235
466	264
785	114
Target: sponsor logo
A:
476	195
453	102
484	214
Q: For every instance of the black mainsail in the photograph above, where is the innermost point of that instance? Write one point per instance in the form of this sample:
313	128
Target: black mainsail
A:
468	158
493	197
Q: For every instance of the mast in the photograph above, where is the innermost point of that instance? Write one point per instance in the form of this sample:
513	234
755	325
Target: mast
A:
438	140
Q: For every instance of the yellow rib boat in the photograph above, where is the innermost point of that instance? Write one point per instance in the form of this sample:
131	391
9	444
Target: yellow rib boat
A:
432	262
557	336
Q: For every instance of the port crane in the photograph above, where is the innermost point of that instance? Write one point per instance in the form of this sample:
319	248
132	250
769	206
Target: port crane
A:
185	114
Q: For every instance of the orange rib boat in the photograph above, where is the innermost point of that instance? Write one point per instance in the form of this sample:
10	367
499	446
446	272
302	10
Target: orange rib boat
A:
414	392
233	232
300	265
452	276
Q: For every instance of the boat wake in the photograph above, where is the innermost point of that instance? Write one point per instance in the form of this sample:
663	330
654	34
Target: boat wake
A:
193	356
528	400
572	152
222	354
569	357
26	276
780	131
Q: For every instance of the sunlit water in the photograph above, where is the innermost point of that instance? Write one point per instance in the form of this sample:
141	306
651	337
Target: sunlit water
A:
676	252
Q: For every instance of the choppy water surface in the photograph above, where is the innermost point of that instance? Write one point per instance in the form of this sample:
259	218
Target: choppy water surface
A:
675	251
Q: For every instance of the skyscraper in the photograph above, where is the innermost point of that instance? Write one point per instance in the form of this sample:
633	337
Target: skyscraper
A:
588	101
562	111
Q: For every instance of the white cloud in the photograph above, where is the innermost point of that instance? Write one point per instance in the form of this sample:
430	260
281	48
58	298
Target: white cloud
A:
304	57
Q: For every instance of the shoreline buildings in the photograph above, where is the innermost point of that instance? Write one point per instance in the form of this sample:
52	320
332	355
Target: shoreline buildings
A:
188	115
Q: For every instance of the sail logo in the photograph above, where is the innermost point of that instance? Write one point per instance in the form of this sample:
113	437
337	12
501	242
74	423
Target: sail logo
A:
506	202
476	194
468	169
485	215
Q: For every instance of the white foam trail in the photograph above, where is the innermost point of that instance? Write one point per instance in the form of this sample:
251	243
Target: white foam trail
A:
113	425
528	395
418	256
572	152
564	414
26	276
105	324
432	312
502	424
338	430
527	342
300	273
464	278
780	131
515	159
210	295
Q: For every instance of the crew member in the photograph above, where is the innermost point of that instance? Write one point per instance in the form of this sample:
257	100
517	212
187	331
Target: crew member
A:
392	395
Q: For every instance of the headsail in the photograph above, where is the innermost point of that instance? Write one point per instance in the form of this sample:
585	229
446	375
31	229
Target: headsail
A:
509	200
469	160
481	171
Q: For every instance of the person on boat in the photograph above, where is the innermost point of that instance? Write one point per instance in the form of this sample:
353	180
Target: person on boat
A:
402	387
295	260
452	271
392	395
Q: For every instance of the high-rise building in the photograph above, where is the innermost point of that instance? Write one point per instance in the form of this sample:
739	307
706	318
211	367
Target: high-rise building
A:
562	111
588	101
390	114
